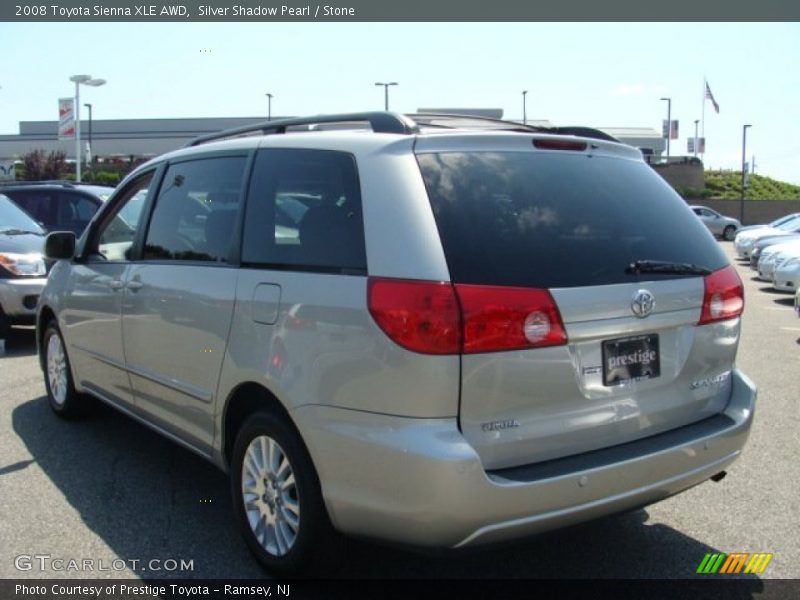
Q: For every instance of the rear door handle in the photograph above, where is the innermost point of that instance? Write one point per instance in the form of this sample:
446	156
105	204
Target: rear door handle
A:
116	284
134	285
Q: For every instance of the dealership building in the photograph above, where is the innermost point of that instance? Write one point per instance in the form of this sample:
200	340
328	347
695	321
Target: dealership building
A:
144	138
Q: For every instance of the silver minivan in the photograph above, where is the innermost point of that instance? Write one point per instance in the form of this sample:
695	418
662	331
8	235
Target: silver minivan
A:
430	334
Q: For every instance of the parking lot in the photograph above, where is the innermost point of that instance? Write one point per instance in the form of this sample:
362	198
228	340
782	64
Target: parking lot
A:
108	490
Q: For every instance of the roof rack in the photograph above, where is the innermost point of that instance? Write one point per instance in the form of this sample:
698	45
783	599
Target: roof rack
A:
430	120
61	182
390	122
381	122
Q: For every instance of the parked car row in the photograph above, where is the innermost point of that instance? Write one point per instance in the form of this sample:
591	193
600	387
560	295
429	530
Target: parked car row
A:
28	211
773	251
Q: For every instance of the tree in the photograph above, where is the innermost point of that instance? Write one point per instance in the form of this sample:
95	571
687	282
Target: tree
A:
40	165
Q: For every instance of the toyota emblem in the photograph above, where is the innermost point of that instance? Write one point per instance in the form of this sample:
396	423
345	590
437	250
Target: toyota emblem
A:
643	303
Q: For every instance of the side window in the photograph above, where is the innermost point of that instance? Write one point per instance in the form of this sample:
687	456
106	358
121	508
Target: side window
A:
38	204
304	212
116	234
75	210
195	212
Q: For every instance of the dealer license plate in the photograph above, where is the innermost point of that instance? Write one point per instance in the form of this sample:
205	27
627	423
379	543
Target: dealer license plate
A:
631	359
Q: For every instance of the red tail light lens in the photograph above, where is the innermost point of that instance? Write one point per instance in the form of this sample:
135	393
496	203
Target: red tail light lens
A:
553	144
422	316
439	318
501	318
724	296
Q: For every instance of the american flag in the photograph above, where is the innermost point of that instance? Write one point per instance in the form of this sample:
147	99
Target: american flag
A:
710	96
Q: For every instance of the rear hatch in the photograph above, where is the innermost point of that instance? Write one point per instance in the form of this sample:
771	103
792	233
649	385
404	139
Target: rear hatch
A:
596	308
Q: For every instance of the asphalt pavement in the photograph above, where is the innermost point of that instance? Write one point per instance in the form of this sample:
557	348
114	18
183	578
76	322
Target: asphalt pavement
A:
106	489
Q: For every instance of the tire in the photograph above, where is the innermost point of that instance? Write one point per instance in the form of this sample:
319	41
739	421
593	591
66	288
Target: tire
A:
729	233
64	400
283	517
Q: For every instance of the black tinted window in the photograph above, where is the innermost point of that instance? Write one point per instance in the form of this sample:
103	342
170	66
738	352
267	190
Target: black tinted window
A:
558	219
195	213
304	212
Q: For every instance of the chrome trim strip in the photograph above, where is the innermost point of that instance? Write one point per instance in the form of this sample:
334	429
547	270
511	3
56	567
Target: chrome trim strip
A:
184	388
179	386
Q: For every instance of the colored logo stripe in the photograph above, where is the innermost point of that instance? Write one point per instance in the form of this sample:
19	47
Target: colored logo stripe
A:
719	562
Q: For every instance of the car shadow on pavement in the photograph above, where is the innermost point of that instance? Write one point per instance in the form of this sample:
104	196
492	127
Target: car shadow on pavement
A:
19	341
785	301
148	498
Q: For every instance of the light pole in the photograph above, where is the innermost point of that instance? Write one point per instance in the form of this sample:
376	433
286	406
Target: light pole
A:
669	122
744	174
696	121
269	106
89	146
524	108
386	93
78	80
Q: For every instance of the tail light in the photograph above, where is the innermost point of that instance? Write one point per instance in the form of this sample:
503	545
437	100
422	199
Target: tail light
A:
422	316
502	318
723	297
439	318
556	144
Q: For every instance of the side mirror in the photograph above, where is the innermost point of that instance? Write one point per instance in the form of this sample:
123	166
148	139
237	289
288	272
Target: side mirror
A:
59	245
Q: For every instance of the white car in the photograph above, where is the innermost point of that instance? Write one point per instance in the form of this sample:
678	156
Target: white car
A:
775	223
774	256
744	241
786	277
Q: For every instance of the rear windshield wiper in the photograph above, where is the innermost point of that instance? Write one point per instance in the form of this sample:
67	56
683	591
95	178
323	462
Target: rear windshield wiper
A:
660	266
19	232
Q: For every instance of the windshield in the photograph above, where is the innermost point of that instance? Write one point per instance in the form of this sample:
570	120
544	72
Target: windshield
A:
13	218
790	225
553	220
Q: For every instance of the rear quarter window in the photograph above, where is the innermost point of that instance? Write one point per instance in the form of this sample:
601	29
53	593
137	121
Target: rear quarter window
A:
558	219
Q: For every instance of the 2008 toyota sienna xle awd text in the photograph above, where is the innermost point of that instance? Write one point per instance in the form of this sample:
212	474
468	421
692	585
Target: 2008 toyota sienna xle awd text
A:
425	333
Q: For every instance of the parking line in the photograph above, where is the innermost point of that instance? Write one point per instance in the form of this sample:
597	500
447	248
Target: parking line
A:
791	328
777	308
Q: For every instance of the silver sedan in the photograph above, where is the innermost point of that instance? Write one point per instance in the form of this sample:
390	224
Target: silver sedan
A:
720	225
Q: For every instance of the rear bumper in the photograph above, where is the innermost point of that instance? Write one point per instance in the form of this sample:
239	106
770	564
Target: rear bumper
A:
18	298
417	481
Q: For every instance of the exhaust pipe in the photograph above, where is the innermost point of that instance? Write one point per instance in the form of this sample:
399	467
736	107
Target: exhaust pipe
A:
719	476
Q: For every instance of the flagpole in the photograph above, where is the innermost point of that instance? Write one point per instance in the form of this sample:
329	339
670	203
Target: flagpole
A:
703	121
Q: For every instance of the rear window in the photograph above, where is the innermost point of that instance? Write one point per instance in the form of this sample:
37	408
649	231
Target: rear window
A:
558	220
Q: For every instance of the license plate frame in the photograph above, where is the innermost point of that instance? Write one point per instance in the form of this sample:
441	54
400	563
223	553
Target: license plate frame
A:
631	359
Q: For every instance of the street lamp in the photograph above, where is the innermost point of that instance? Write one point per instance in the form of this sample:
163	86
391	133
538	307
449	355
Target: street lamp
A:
744	174
696	121
386	92
89	146
78	80
524	108
269	106
669	122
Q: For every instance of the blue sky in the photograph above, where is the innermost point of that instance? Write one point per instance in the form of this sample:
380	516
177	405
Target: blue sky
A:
593	74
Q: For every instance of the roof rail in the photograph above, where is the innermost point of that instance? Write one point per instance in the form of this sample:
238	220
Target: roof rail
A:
587	132
381	122
61	182
492	123
390	122
429	119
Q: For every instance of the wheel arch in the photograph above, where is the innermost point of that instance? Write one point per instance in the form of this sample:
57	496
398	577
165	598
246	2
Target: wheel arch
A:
245	399
43	317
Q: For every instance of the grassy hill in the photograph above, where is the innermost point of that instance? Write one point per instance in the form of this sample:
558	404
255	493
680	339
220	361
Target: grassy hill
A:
727	185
